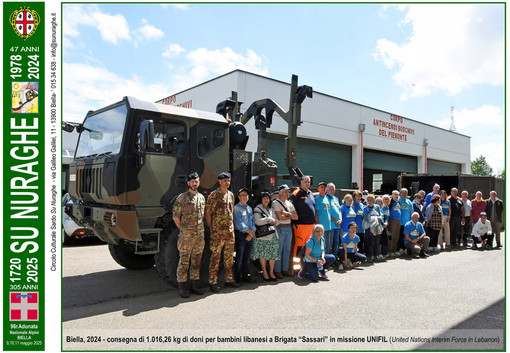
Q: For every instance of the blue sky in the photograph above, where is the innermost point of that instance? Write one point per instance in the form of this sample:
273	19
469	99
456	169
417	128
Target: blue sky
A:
414	60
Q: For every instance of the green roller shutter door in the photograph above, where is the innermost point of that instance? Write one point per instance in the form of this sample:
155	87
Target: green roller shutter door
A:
325	161
440	167
389	161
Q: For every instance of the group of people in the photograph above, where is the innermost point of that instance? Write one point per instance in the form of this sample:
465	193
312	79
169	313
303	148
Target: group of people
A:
299	231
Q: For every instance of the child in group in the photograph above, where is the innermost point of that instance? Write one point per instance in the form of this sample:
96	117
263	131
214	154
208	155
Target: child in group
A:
350	243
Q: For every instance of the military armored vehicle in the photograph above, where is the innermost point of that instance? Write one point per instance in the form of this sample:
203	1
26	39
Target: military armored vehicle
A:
133	157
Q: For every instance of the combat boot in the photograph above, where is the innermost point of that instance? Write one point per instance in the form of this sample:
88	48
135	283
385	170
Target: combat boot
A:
195	287
183	291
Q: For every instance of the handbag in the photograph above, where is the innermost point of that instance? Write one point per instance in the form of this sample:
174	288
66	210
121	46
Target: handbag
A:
266	231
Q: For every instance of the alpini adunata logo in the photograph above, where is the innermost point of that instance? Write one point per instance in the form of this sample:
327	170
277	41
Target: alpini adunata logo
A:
24	22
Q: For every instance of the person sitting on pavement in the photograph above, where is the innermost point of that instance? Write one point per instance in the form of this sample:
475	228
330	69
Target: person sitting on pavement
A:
350	243
266	248
482	232
415	238
316	261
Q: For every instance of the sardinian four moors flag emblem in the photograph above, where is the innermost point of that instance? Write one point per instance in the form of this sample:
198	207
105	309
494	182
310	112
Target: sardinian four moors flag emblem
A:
24	22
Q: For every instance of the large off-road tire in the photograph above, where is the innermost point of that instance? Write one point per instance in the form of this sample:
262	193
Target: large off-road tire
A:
124	255
66	239
168	257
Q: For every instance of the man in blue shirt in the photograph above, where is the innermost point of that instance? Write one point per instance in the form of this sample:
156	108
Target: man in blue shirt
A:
244	228
323	215
415	238
336	217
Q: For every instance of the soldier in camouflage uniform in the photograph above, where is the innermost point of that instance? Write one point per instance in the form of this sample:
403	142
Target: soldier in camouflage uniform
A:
219	215
188	214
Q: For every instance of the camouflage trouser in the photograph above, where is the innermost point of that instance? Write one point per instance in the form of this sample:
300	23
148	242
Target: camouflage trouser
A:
190	247
218	242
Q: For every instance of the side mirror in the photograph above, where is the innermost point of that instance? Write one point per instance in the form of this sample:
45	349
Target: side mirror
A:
68	127
147	135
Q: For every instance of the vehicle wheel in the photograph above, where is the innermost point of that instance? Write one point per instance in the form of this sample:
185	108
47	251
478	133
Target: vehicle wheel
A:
168	257
124	255
66	239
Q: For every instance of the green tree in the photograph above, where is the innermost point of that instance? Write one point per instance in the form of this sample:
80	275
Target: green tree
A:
502	174
480	166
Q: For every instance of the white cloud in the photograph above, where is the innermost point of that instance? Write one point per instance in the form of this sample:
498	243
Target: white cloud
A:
451	48
486	126
87	87
486	115
173	51
493	153
112	28
204	63
149	32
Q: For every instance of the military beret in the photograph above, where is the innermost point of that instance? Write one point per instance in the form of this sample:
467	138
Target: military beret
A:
193	175
224	175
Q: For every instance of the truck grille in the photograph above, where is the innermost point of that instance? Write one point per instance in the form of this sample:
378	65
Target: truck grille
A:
89	181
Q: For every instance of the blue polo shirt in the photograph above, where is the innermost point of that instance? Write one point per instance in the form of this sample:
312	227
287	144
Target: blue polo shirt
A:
445	205
406	209
395	210
358	208
334	209
348	216
317	249
414	230
385	210
323	211
351	243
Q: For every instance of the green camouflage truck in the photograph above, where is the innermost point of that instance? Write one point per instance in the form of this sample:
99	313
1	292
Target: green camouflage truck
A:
132	159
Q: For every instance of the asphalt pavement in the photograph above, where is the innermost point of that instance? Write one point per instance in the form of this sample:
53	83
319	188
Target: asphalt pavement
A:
454	300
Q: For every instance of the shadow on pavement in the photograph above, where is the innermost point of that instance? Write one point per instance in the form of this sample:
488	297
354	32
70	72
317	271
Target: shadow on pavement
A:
490	321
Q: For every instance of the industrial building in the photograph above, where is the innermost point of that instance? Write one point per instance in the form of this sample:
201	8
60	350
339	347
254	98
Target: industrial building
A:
351	144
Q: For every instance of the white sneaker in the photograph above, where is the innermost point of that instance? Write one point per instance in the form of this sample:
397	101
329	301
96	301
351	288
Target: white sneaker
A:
380	257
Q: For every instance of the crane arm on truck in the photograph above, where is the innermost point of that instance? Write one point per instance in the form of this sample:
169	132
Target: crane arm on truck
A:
262	164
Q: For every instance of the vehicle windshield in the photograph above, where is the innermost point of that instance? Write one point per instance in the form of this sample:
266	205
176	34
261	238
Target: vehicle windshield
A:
102	133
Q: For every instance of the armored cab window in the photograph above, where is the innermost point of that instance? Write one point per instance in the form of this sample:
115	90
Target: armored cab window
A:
210	137
169	138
